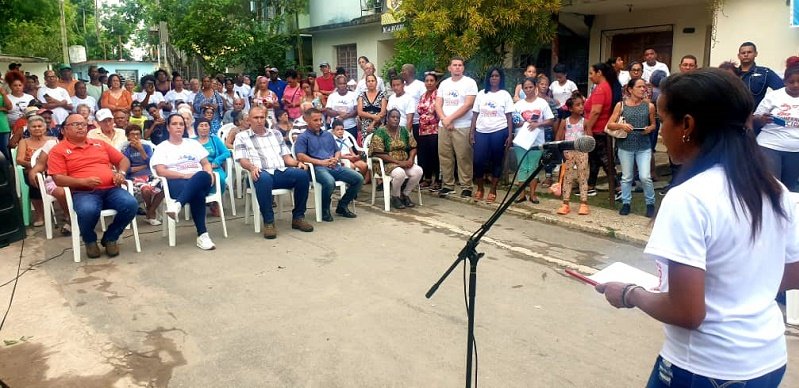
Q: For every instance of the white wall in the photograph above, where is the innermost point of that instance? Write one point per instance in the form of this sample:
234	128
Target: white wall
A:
369	39
324	12
34	68
695	16
765	23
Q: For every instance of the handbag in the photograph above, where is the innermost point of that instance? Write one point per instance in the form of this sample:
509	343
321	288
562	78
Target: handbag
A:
618	133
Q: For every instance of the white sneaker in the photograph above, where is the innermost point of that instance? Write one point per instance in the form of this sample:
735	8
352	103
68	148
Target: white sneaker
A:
204	242
172	210
152	221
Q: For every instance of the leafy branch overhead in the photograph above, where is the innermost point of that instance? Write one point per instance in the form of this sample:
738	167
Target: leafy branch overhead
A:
482	30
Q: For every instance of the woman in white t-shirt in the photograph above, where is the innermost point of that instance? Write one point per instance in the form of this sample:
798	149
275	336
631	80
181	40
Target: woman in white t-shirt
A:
535	116
778	118
18	100
725	241
491	131
563	88
184	164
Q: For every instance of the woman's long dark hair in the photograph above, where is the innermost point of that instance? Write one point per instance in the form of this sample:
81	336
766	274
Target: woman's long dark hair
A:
720	105
613	80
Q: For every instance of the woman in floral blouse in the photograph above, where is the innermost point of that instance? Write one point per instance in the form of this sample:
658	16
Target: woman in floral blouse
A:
428	133
396	146
371	107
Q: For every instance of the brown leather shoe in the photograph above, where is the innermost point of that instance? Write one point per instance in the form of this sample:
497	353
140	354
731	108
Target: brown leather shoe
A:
111	248
302	225
92	250
270	232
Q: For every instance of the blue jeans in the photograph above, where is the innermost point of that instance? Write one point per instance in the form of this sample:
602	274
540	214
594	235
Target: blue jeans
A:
489	150
192	191
667	375
784	166
88	205
628	161
327	177
291	178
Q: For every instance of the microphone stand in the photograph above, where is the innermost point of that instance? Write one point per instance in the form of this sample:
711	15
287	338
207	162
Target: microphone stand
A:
469	252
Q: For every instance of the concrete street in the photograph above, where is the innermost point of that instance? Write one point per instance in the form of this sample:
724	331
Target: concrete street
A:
343	306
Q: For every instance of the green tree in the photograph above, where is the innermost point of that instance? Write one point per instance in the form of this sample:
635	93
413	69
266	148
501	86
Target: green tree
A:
482	31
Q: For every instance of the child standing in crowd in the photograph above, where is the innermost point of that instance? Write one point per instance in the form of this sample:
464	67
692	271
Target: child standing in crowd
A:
570	129
136	117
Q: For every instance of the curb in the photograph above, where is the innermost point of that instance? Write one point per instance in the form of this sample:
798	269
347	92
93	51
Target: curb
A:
633	229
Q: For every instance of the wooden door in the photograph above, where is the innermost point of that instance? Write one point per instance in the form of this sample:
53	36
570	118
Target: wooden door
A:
630	47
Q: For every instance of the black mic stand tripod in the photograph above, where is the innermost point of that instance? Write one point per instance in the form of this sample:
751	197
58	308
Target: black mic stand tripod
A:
469	252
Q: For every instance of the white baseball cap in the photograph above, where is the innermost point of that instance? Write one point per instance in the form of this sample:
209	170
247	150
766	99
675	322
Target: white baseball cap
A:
103	114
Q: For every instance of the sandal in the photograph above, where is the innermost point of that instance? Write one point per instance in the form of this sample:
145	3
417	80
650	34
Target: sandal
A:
491	198
66	230
535	200
478	196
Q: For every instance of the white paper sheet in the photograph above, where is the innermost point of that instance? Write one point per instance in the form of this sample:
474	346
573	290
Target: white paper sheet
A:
620	272
525	138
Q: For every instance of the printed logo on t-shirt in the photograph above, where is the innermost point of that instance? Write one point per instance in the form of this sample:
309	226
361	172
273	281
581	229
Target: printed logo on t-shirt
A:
784	112
452	98
534	114
489	110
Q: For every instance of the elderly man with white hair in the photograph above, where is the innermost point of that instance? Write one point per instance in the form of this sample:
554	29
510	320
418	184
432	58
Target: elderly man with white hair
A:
107	131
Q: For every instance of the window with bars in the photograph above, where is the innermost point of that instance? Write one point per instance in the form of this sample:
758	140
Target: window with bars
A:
347	57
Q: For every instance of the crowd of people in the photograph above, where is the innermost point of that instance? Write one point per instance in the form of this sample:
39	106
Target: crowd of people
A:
733	147
437	134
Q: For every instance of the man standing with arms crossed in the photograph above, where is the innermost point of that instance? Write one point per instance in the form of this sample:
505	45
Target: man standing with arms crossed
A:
454	106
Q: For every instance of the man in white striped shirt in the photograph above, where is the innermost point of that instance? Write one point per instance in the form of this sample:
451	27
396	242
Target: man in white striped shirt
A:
263	153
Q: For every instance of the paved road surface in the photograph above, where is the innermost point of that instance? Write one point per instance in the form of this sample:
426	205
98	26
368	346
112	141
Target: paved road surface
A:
343	306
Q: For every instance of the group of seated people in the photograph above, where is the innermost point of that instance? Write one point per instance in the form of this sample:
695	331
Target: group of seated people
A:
96	163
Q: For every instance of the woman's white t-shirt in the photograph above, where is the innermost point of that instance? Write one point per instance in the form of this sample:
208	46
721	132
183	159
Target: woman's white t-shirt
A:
492	109
776	137
561	93
184	157
17	106
742	335
539	107
344	104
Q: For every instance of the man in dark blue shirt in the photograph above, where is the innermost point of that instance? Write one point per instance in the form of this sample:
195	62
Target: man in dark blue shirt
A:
319	148
757	78
275	84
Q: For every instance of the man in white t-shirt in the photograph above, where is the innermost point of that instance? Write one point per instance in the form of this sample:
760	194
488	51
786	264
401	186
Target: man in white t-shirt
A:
243	90
651	64
454	103
415	89
401	101
149	95
342	104
54	98
177	95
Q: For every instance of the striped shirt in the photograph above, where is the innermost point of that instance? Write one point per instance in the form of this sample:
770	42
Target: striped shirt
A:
263	151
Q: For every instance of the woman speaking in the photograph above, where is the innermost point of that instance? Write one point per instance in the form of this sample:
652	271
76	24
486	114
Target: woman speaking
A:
724	246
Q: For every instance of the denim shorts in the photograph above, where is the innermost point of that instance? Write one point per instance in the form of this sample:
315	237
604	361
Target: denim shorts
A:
667	375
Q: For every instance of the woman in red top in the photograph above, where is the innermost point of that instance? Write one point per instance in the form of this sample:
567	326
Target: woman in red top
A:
292	95
598	108
428	132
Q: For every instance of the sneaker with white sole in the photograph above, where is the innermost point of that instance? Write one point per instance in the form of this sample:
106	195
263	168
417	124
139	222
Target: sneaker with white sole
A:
172	210
204	242
152	221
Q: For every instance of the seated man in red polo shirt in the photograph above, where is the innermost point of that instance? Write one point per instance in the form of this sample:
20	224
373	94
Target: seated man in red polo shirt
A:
85	166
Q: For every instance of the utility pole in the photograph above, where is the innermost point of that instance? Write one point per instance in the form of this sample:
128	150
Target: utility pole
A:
97	28
64	49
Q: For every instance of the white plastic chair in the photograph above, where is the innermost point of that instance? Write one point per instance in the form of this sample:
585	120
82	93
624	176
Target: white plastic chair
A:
251	202
229	183
316	188
224	130
73	218
49	211
169	225
370	160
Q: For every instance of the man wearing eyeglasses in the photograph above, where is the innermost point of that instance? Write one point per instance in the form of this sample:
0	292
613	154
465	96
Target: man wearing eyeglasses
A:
86	166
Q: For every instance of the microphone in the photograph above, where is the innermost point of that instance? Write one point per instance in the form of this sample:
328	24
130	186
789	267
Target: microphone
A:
582	144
